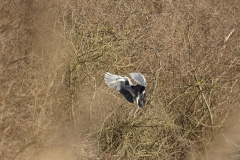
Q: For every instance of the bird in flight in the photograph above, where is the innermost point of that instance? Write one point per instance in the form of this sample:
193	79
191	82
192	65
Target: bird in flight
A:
130	91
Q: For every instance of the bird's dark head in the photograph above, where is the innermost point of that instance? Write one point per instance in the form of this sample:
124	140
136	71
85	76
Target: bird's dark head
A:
141	99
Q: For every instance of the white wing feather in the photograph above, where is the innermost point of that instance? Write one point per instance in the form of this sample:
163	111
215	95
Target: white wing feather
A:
114	81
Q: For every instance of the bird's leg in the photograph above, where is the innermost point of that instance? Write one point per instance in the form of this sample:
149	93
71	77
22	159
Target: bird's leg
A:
137	99
134	112
134	108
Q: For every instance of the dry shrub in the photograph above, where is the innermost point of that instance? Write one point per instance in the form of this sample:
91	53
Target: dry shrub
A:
187	50
189	53
33	93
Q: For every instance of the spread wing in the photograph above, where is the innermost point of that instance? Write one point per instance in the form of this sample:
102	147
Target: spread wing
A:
139	78
115	81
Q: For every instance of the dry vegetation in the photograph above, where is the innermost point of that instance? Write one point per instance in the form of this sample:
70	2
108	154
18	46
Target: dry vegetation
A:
55	105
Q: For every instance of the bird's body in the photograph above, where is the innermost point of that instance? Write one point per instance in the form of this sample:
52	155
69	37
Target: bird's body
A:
124	85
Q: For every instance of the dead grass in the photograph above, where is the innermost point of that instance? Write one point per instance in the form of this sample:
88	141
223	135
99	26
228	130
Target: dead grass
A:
52	77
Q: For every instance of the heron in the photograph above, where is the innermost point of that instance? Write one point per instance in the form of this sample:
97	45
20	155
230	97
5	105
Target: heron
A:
130	91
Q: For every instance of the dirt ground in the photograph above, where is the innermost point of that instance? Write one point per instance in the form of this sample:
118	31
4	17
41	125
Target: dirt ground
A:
53	101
